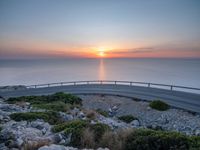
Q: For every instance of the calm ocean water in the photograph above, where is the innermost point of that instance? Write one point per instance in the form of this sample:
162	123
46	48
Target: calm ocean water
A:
185	72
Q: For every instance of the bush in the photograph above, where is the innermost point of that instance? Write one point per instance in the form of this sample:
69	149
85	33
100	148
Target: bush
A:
99	129
194	142
91	114
79	130
111	140
51	117
67	98
127	118
159	105
59	106
87	139
102	112
57	97
70	126
142	139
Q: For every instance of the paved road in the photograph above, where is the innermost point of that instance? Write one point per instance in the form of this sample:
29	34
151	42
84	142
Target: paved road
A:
188	101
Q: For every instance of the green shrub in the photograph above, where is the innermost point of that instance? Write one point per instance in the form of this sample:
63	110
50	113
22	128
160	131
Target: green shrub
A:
59	106
50	116
70	125
159	105
142	139
102	112
194	142
57	97
127	118
77	128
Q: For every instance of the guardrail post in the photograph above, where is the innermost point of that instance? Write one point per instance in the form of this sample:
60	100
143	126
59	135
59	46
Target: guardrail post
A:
35	86
115	82
87	82
131	83
149	84
101	82
74	83
48	85
61	84
171	87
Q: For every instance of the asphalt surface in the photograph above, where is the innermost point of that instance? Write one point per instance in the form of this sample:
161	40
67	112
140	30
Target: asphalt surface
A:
184	100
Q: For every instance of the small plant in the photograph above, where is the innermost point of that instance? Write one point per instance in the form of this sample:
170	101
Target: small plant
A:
91	114
50	116
159	105
127	118
102	112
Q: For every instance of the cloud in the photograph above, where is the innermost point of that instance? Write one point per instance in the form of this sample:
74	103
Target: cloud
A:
132	51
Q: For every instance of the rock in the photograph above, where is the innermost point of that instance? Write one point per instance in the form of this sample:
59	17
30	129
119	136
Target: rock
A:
61	147
81	115
66	117
41	125
14	134
197	132
135	123
148	108
19	142
3	147
56	147
75	111
102	148
114	124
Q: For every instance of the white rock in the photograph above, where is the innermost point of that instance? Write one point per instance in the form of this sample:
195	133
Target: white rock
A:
56	147
197	132
135	123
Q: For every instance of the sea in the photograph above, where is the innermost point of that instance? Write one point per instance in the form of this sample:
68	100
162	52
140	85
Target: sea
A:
182	72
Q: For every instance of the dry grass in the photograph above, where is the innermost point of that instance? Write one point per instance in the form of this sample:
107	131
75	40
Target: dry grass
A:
91	114
115	140
34	145
87	139
21	104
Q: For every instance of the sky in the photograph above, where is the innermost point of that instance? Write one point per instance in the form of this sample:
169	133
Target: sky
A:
99	28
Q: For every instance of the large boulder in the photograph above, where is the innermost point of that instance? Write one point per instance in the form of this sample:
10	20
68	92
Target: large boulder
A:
17	134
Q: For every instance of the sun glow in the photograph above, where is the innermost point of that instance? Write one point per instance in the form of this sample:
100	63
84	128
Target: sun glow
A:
101	52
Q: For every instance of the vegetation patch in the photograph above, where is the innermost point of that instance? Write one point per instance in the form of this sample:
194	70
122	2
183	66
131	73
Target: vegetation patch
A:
78	127
56	106
194	142
159	105
99	129
151	140
102	112
57	97
70	125
50	116
127	118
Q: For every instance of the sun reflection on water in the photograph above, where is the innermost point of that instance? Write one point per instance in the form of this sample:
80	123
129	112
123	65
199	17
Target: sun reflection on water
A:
101	70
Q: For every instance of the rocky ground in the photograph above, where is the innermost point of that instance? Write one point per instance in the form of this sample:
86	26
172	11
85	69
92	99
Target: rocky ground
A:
172	119
27	134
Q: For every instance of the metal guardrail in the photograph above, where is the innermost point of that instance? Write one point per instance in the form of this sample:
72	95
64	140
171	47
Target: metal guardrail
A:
130	83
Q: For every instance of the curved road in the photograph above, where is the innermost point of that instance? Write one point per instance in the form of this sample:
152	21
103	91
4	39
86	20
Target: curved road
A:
184	100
